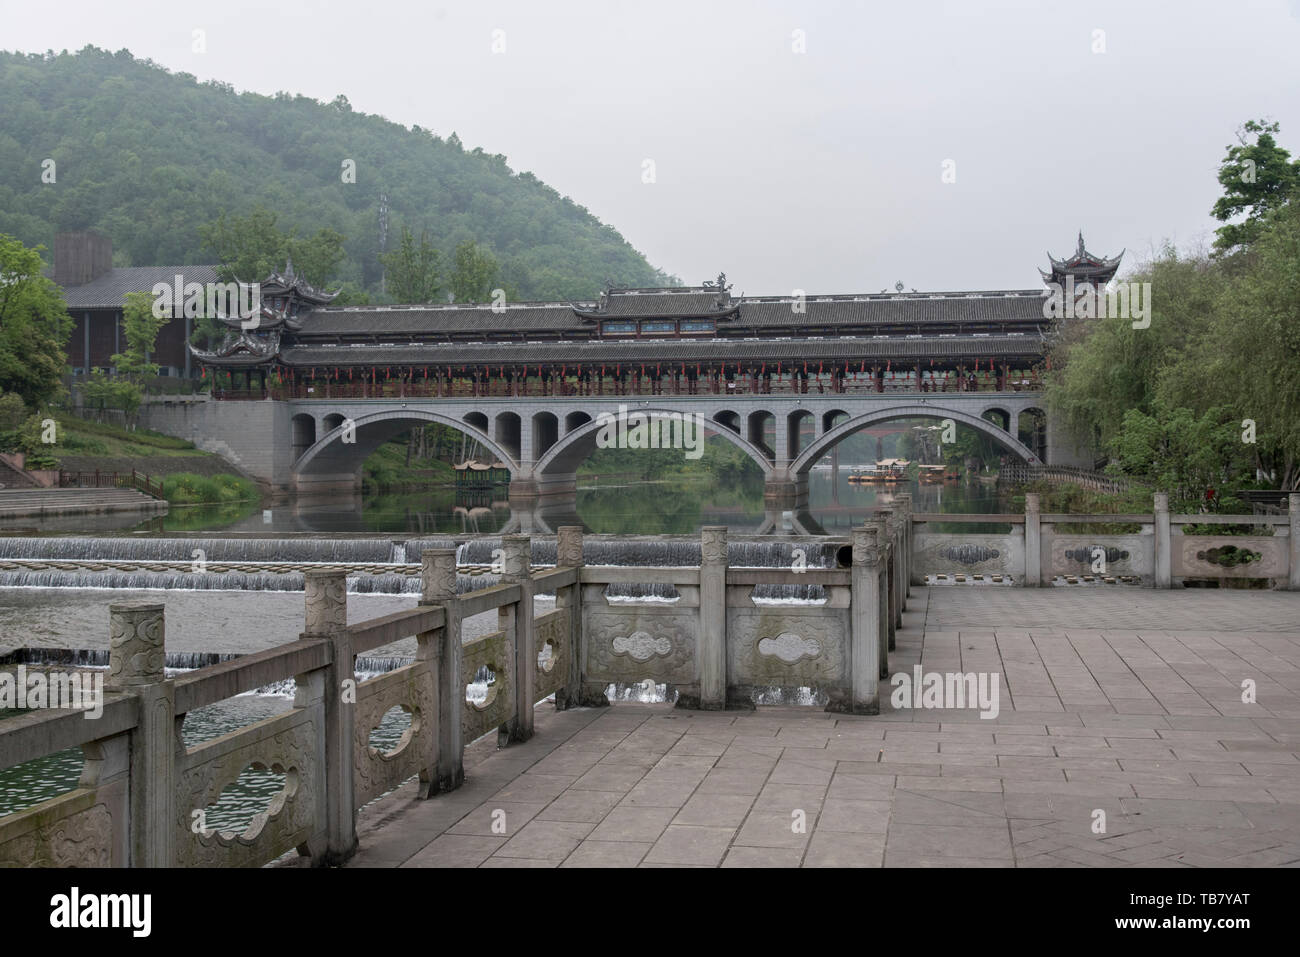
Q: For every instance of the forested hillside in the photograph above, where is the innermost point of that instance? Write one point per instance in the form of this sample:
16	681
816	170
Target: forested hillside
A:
147	157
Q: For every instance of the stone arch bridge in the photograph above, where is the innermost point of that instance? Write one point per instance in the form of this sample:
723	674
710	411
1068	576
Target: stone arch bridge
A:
319	445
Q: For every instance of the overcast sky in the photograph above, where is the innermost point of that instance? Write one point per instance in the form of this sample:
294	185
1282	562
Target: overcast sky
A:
820	170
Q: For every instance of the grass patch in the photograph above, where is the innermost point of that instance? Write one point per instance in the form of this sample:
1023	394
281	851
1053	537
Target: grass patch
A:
185	488
145	437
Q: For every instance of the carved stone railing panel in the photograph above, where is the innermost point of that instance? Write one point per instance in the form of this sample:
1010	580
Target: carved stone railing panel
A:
639	641
1230	556
410	688
937	553
493	652
553	630
83	828
785	646
1118	554
290	744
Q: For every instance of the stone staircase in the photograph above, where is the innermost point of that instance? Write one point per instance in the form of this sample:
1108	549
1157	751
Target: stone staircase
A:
12	477
17	503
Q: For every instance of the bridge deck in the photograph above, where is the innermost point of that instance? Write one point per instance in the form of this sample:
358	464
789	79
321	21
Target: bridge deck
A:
1121	700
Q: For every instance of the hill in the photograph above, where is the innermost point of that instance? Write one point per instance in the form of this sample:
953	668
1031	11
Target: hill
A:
147	156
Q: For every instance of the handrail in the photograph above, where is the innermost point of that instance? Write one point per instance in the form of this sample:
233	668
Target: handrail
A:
99	479
377	632
226	679
966	518
26	737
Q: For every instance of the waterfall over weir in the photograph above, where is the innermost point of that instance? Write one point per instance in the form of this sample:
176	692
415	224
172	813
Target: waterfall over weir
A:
341	550
277	564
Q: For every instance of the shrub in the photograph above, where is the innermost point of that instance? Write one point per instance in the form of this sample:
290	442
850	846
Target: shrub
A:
185	488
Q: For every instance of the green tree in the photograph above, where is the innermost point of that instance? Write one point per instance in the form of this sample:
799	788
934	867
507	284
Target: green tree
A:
1257	178
474	274
141	328
34	325
252	247
413	272
1182	452
1247	355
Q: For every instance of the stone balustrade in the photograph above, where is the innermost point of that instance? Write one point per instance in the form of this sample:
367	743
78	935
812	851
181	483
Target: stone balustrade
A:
1040	548
143	793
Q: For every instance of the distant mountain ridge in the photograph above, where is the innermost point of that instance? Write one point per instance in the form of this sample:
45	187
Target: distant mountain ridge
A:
146	156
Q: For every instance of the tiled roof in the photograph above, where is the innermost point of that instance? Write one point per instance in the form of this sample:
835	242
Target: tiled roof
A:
107	291
431	320
774	312
668	351
622	303
886	310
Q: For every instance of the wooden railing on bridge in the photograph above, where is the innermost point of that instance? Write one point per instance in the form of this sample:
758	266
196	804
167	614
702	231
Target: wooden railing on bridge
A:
420	388
1014	472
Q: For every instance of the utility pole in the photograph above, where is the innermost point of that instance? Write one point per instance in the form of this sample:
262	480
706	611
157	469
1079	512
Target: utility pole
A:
383	243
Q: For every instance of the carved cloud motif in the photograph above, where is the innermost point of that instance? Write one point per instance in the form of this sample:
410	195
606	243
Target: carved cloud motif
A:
641	646
789	647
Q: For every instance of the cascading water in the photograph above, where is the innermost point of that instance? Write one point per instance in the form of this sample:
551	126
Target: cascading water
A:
282	562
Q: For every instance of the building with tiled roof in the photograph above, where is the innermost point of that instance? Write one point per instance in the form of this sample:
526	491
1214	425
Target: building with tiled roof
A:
94	291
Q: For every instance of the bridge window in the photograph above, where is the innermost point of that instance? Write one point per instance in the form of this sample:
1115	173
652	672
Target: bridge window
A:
618	328
659	327
696	325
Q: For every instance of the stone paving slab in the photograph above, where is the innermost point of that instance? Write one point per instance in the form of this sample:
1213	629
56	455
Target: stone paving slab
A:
1119	707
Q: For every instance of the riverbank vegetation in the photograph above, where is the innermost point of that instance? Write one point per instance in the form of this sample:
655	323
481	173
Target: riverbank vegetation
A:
185	488
718	459
1207	396
410	462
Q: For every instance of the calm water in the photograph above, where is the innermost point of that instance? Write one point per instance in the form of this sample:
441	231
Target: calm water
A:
607	507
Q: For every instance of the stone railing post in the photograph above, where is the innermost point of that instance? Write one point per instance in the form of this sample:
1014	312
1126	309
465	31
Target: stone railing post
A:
1293	579
568	554
1033	542
888	575
1163	563
435	566
711	641
903	505
517	622
137	653
326	599
864	623
895	574
438	587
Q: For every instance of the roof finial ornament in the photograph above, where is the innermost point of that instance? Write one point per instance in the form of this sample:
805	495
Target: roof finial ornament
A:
898	286
720	284
288	268
1080	244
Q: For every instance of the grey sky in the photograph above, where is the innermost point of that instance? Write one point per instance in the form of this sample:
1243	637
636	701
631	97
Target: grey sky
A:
819	170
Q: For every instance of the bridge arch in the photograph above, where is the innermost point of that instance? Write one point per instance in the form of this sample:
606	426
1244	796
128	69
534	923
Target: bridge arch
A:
330	457
565	455
816	449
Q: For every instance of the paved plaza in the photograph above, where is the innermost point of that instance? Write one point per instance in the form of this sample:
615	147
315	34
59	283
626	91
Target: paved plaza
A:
1122	740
